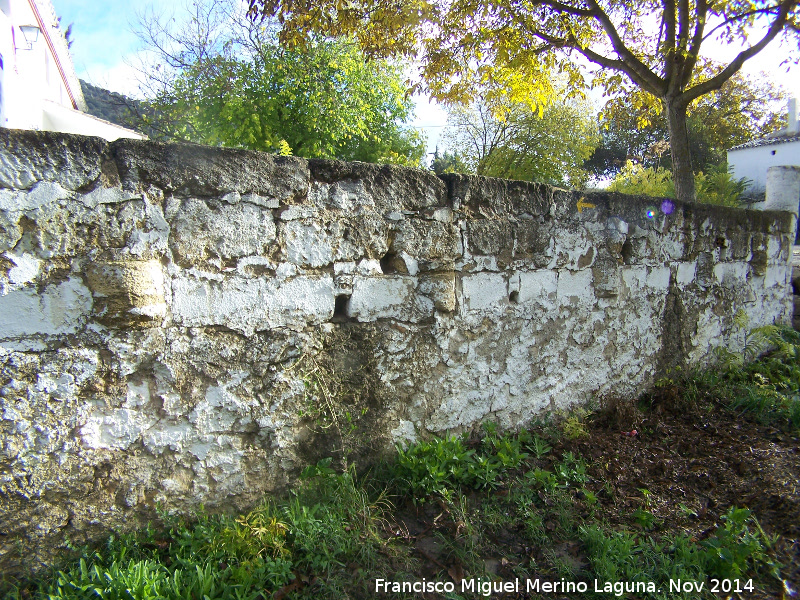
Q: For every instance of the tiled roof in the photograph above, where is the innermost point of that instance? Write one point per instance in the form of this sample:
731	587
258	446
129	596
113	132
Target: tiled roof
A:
768	141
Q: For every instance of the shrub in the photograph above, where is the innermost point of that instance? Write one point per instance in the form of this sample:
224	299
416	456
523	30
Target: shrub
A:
643	181
715	186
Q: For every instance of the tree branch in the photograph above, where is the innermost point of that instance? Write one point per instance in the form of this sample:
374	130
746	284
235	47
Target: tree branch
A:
644	77
750	13
697	39
566	8
669	38
716	82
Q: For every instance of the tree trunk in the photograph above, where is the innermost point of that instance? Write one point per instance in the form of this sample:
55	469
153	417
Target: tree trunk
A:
682	172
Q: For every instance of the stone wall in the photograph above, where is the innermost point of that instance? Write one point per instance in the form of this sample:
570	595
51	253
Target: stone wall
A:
183	325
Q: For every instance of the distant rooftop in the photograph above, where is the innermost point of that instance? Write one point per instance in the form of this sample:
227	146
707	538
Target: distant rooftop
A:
790	133
768	141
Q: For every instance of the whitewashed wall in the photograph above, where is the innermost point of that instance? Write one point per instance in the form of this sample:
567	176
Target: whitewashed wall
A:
168	315
753	163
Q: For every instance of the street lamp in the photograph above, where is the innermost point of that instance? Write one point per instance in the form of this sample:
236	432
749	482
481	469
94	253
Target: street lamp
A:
30	33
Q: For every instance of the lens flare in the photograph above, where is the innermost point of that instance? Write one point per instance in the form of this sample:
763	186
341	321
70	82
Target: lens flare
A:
667	206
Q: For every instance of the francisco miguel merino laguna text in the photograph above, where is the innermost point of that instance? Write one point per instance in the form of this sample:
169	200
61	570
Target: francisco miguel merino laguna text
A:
487	588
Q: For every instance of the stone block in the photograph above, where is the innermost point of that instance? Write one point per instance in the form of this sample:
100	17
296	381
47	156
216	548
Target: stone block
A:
71	161
731	275
127	293
426	241
200	231
658	278
382	297
777	275
250	305
531	239
441	288
204	171
686	273
484	292
605	273
576	286
41	194
387	188
307	245
539	287
61	308
490	237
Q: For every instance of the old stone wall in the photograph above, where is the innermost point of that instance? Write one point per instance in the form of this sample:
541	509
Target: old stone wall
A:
183	325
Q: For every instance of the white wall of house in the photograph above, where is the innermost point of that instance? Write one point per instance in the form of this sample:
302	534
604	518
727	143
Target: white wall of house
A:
753	163
780	149
38	86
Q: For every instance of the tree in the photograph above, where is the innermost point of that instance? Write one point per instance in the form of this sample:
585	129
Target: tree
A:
448	162
516	142
222	80
741	110
653	44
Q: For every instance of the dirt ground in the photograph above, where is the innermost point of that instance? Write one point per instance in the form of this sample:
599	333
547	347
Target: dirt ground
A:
694	465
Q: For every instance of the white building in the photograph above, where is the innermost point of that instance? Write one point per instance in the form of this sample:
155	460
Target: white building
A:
38	86
752	159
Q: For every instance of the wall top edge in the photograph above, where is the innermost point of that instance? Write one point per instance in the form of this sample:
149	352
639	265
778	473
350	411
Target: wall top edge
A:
83	163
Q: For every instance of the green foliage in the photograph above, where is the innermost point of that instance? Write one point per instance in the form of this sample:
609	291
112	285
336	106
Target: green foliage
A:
715	187
227	81
306	545
284	149
191	573
755	342
513	141
767	388
440	465
334	521
571	469
448	162
573	425
623	556
514	48
570	472
737	545
761	381
256	534
732	551
537	445
331	521
632	127
644	181
433	466
645	519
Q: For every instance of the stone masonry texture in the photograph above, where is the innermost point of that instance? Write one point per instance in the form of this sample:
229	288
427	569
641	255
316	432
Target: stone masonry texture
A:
184	326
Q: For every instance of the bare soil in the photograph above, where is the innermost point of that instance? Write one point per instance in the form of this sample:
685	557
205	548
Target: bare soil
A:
687	465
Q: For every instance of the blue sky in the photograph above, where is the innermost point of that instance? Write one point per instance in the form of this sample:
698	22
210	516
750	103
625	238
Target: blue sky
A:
102	34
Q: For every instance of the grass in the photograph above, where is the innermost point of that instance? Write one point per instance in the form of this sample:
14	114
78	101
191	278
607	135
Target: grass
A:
518	497
767	389
277	546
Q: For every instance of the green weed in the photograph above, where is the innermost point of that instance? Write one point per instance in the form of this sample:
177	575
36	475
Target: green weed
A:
739	544
736	548
441	464
574	425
